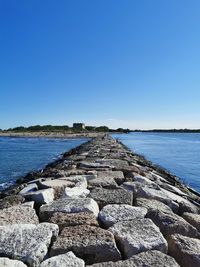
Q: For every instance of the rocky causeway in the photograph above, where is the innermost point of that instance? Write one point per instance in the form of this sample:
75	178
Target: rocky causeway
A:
99	205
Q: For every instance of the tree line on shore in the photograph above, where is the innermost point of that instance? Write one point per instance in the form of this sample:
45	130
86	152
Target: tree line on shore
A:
63	128
68	129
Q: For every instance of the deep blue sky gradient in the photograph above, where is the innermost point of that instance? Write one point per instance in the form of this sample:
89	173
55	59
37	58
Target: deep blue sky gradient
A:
132	63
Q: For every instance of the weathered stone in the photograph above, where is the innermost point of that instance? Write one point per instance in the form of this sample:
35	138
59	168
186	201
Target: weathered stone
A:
76	192
73	219
29	204
69	205
112	214
103	182
118	176
193	219
54	183
185	250
188	207
117	164
170	223
152	204
10	201
158	194
141	179
26	242
93	165
78	180
64	260
40	197
105	196
18	215
29	188
5	262
151	258
137	236
132	186
90	243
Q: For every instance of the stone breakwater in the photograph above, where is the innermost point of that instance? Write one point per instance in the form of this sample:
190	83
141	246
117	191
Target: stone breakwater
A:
99	205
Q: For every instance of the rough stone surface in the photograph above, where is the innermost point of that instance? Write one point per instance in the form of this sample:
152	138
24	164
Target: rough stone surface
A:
40	197
69	205
137	236
112	214
27	242
105	196
153	205
18	215
103	182
73	219
151	258
158	194
117	164
5	262
64	260
188	207
29	188
185	250
10	201
118	176
77	180
170	223
141	179
76	192
90	243
193	219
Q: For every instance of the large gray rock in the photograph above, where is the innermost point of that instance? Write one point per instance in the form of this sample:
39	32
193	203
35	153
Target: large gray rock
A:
142	179
112	214
27	242
93	244
188	207
29	188
64	260
118	176
185	250
117	164
158	194
5	262
18	215
69	205
193	219
93	165
152	204
76	192
73	219
105	196
40	197
151	258
10	201
170	223
137	236
103	182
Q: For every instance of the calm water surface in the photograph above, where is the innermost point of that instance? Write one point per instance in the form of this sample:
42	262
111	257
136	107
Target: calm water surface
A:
177	152
18	156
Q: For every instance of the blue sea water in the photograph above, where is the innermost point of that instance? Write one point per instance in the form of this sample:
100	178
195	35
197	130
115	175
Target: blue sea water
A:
179	153
18	156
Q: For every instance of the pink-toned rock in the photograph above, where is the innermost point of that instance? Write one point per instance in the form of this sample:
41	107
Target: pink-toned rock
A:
73	219
90	243
185	250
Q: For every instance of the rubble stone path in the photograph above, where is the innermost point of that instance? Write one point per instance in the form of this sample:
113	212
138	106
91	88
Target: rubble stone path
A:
99	205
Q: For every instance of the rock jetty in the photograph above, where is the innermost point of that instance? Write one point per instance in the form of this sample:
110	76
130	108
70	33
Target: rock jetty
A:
99	205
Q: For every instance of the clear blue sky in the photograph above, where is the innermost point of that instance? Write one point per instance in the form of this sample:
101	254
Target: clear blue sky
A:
120	63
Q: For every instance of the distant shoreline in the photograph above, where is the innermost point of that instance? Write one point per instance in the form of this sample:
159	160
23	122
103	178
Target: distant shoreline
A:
48	134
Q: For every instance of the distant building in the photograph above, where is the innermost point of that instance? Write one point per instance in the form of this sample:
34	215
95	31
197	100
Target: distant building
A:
79	126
